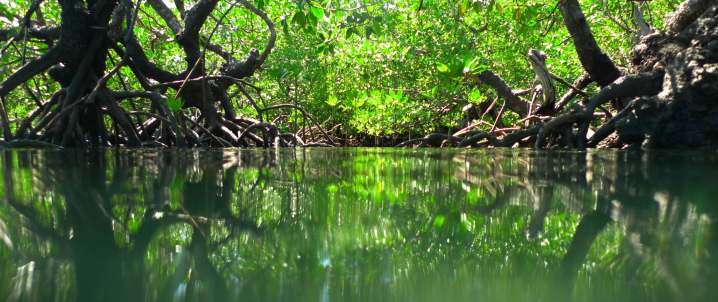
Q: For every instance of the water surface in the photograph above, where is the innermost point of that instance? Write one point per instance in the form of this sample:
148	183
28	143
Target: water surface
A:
358	225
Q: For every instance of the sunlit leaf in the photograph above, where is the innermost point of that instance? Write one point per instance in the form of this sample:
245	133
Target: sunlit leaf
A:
441	67
317	12
174	104
332	101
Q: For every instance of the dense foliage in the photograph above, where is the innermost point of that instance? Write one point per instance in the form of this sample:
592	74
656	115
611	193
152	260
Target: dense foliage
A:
367	71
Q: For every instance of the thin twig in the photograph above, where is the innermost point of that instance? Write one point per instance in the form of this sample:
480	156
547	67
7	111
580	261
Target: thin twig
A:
498	117
306	115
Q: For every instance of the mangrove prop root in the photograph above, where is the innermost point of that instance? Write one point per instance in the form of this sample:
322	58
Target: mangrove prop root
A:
668	102
79	113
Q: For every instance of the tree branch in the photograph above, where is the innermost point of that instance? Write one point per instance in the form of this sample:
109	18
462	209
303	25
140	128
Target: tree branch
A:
246	67
189	38
598	65
47	33
142	63
270	26
513	102
167	15
686	13
30	69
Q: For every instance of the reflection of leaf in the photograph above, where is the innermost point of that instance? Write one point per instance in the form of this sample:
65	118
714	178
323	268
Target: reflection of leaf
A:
439	221
4	237
467	223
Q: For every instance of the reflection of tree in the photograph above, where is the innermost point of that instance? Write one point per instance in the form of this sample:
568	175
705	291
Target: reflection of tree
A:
352	219
108	269
652	195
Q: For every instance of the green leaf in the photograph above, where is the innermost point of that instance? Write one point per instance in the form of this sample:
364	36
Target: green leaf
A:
441	67
317	12
351	31
332	101
470	65
475	96
299	19
174	104
285	27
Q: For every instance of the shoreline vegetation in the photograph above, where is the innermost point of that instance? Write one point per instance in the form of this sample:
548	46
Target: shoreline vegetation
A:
86	74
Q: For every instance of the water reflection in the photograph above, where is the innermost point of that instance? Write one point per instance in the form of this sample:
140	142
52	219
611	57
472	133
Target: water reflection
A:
357	225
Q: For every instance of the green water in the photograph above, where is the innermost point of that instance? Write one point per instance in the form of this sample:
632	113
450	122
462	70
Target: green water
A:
358	225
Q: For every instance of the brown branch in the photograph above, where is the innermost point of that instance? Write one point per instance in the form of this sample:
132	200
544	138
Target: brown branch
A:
180	7
598	65
628	86
261	125
475	138
160	103
140	62
79	82
167	15
222	141
686	13
432	140
572	87
499	115
305	114
581	83
254	60
29	70
42	111
272	32
121	118
556	122
189	38
513	102
609	127
47	33
23	31
512	138
5	121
